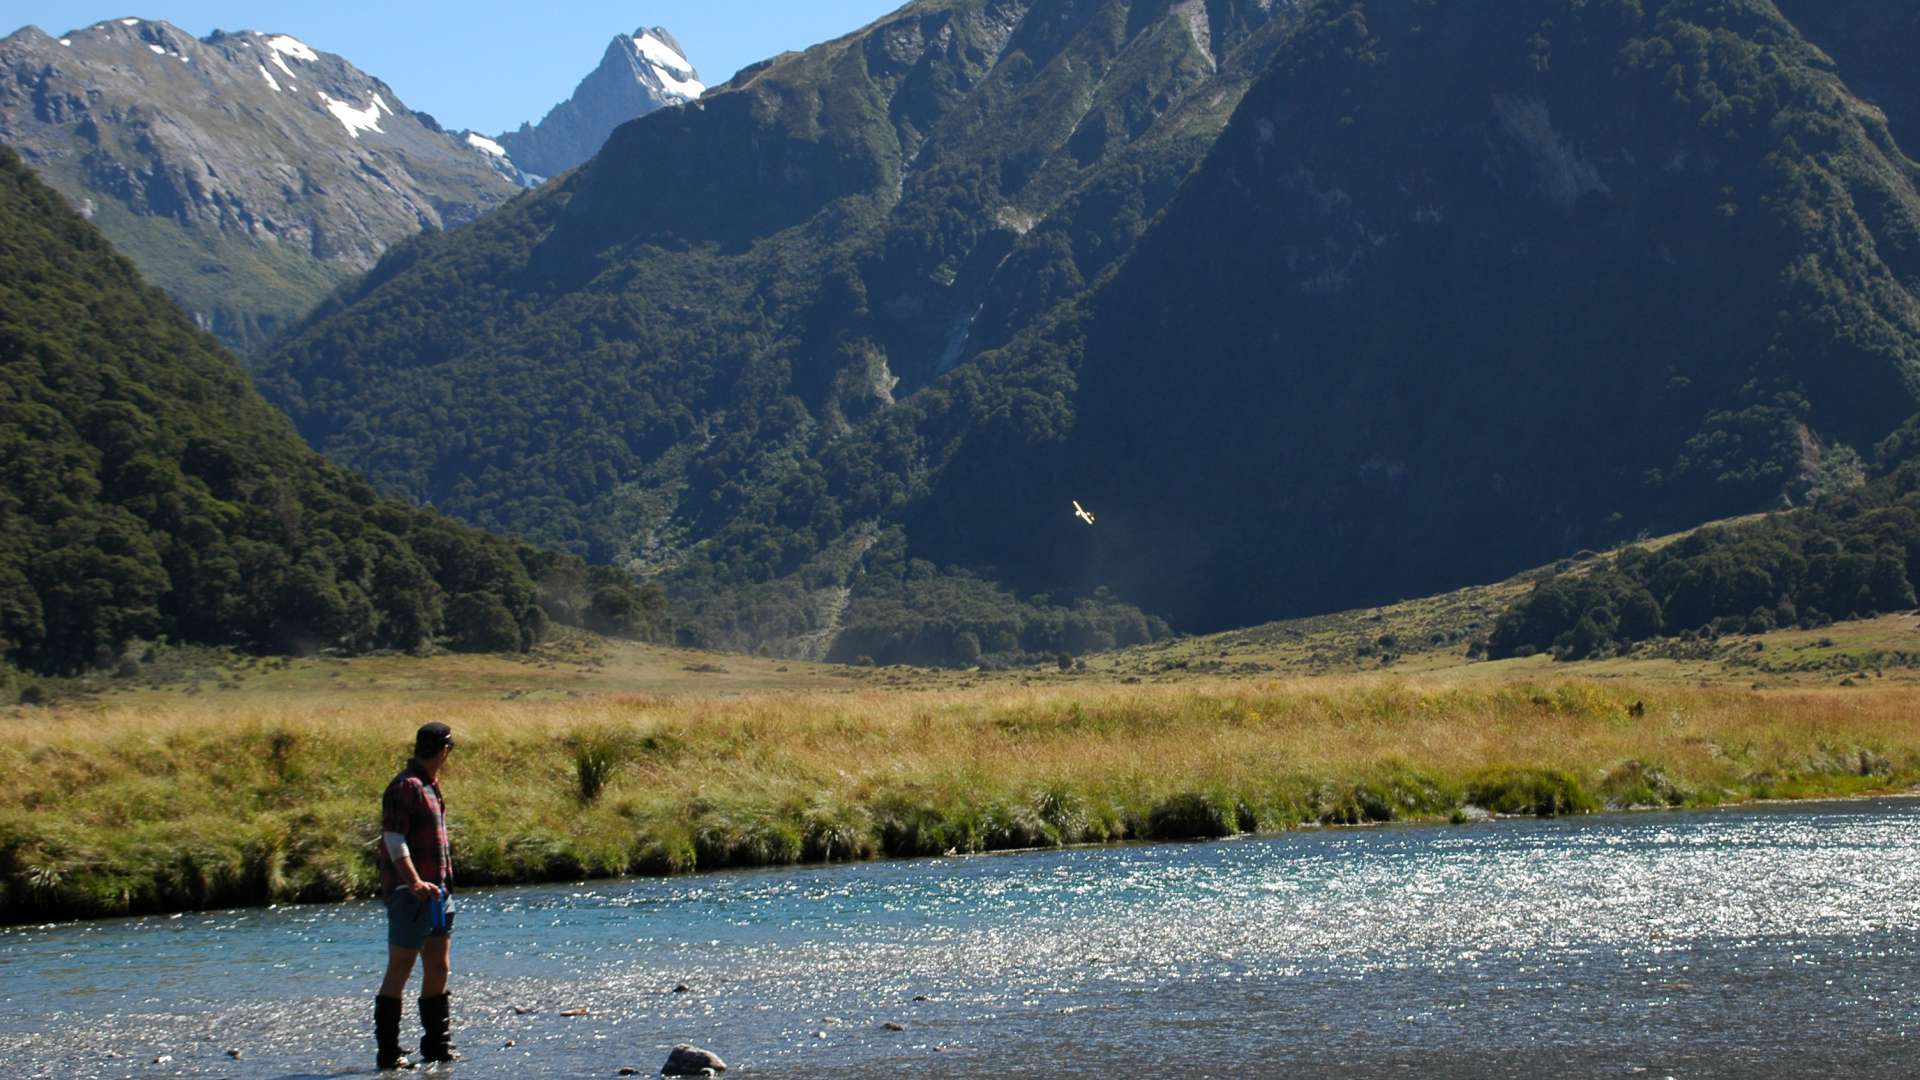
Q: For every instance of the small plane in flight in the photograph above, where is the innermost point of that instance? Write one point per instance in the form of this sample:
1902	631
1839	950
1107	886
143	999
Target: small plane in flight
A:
1081	512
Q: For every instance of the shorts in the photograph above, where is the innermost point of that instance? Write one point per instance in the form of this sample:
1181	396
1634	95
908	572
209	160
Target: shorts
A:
411	920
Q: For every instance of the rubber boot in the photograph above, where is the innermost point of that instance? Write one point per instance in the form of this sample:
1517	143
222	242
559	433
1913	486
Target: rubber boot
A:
386	1034
436	1024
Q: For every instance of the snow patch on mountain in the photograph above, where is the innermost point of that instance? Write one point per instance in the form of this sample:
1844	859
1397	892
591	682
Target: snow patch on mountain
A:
293	47
687	88
673	70
659	52
485	145
268	75
355	120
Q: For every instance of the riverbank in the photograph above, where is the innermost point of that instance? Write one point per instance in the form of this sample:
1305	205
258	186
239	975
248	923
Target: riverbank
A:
156	807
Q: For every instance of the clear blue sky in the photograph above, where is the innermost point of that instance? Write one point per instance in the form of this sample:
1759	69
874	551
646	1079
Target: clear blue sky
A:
487	65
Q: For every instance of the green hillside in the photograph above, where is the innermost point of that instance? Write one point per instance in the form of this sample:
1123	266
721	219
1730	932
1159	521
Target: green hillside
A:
1455	289
151	493
1854	554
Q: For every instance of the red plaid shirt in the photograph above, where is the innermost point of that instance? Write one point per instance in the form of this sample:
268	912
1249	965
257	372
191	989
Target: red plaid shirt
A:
413	808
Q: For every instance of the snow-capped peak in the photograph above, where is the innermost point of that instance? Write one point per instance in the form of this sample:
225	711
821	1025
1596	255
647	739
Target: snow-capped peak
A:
485	145
673	70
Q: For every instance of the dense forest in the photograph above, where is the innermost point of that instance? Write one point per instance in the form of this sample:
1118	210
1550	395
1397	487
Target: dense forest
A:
150	493
1854	553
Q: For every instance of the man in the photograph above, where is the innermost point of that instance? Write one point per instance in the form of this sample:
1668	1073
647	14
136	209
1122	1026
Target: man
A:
416	873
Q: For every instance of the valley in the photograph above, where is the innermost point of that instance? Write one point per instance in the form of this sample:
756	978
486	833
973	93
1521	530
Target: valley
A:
1399	518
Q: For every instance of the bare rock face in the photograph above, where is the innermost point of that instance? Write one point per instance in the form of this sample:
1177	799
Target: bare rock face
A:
245	173
687	1060
639	74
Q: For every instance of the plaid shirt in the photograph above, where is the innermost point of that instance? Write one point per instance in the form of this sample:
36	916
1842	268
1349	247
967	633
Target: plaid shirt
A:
413	808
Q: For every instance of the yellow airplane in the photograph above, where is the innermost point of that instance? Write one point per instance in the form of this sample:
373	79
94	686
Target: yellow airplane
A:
1081	512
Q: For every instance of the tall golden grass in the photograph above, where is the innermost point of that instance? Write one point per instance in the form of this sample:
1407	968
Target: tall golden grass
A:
113	810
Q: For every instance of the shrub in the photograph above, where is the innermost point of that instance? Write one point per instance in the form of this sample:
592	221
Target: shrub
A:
1541	792
1640	784
597	755
1192	815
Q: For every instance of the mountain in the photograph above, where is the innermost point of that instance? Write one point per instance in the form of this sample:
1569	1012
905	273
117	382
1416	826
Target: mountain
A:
246	174
639	73
1312	306
150	492
621	362
1463	291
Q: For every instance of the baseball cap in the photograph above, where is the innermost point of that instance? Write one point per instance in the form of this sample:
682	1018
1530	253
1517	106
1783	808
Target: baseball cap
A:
431	738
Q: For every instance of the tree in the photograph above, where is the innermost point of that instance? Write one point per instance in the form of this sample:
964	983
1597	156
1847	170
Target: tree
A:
478	622
966	648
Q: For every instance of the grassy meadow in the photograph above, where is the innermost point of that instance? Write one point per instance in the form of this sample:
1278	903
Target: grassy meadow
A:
250	781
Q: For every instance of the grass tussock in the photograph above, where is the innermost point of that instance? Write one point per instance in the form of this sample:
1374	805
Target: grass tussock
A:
161	807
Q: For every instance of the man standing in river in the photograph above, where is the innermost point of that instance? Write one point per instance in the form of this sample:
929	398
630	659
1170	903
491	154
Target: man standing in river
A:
416	872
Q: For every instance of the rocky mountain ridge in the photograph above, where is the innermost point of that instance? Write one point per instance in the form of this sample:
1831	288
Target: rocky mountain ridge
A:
246	173
638	74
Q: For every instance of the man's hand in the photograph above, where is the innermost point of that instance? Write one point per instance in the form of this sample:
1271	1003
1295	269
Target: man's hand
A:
424	890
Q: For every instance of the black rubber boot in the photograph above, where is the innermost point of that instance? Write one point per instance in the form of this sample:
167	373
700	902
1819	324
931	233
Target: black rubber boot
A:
386	1034
436	1023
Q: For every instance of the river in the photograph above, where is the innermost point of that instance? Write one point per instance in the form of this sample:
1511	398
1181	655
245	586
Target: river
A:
1779	941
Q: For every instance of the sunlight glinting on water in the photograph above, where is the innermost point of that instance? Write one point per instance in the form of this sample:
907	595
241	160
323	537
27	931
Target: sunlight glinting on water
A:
1698	943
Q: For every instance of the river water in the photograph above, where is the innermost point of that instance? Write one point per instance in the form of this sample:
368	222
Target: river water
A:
1779	941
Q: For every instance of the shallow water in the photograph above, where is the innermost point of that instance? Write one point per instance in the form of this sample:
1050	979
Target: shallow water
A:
1776	941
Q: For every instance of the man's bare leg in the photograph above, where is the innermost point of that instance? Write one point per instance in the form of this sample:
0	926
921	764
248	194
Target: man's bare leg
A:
436	961
400	969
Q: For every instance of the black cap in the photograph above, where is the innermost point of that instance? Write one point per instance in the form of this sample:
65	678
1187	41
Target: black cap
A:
431	739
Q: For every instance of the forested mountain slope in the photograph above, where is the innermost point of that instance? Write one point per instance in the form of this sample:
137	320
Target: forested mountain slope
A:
149	491
1460	288
1871	43
737	281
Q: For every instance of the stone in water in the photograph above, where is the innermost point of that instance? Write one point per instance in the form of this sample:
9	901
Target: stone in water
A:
687	1060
